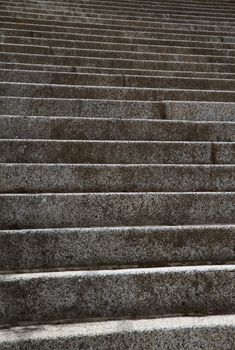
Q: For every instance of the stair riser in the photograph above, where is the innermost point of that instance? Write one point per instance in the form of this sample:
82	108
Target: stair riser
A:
69	47
115	63
106	129
37	178
144	25
115	209
114	152
144	10
108	294
112	71
115	80
76	13
129	5
118	109
102	29
72	33
34	50
29	151
112	93
137	246
135	4
68	37
117	181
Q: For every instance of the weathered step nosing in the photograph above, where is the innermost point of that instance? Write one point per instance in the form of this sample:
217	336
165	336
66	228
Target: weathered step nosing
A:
216	332
118	293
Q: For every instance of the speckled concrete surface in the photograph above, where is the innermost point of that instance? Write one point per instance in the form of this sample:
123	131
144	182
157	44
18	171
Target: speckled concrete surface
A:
132	36
117	182
119	44
104	70
185	62
150	57
112	93
19	211
94	248
160	41
116	80
120	293
36	178
120	24
201	333
178	110
115	152
114	129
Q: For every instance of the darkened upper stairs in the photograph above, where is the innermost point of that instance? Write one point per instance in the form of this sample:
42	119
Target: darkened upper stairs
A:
117	174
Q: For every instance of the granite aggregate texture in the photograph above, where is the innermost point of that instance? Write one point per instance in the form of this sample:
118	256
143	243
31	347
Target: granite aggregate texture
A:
117	175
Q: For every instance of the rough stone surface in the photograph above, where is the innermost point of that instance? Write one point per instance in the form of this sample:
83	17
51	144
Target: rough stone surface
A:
36	178
211	332
102	247
115	209
112	92
40	297
117	182
114	129
118	80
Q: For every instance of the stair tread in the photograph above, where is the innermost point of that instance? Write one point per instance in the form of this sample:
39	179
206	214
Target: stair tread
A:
162	332
117	182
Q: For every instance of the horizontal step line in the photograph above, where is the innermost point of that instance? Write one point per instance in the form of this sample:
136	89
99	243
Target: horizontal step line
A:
115	267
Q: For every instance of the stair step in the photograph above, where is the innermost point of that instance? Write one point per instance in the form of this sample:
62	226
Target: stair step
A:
83	28
71	47
65	178
37	297
112	93
131	24
173	110
72	33
65	13
96	42
136	4
133	4
38	68
117	181
197	28
119	247
162	16
116	152
26	211
166	40
208	332
142	56
114	129
108	62
121	8
120	80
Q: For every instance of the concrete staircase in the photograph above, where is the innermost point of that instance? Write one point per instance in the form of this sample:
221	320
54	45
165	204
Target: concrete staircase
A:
117	174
